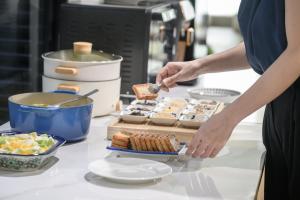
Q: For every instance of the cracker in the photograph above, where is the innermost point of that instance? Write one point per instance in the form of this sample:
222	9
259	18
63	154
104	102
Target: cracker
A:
148	143
132	142
143	142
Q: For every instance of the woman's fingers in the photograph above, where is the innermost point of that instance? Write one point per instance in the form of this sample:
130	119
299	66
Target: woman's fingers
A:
216	150
162	75
193	144
200	150
171	81
208	151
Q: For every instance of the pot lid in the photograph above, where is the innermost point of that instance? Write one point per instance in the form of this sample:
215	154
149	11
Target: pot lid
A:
82	52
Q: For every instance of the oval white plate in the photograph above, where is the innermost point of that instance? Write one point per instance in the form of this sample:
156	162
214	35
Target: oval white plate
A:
129	170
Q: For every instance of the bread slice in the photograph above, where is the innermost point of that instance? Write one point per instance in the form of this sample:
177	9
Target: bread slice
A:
142	92
119	146
120	140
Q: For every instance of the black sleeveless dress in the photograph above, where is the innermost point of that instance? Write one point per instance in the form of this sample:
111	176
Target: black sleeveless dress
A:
262	23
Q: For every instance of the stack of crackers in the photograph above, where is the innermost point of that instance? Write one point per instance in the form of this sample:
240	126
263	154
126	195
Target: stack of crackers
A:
146	142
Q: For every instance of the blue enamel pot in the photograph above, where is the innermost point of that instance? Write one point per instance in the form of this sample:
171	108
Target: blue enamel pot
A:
28	112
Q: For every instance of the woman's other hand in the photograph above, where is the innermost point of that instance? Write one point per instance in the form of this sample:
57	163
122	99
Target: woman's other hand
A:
211	136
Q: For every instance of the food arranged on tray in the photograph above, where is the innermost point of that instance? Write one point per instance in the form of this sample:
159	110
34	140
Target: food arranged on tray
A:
190	113
145	142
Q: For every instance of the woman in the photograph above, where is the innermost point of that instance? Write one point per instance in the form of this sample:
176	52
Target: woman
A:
272	48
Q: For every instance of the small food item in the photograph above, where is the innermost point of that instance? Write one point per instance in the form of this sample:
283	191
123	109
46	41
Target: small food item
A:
164	143
172	143
164	115
141	91
139	108
153	144
132	142
208	102
158	144
165	119
148	143
144	102
178	103
193	120
120	140
26	143
138	142
134	116
143	142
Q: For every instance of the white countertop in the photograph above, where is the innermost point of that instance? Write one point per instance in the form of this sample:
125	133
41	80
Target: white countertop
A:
233	175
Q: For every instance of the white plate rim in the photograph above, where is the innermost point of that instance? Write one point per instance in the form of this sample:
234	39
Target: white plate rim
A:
127	178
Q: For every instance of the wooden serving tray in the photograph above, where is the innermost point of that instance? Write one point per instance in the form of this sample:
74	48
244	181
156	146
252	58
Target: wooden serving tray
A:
183	134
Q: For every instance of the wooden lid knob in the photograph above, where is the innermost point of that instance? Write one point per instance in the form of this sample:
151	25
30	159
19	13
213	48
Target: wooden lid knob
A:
82	47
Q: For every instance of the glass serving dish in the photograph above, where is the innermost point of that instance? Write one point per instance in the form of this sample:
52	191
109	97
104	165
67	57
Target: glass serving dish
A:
23	163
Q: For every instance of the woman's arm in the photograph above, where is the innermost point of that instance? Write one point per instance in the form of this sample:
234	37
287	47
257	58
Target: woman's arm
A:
232	59
280	75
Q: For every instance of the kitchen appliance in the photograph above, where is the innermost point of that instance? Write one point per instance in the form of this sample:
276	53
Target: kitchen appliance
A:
105	101
71	121
81	70
144	33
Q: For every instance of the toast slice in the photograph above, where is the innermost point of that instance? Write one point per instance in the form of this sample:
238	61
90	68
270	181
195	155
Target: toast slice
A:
120	140
142	92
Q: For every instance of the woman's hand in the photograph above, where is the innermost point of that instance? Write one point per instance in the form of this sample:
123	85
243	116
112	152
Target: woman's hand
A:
211	136
176	72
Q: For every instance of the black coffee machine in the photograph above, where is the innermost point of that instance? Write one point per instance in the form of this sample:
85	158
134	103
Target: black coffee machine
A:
145	32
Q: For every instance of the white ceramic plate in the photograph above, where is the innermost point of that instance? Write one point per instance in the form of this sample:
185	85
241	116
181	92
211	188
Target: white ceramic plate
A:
130	170
217	94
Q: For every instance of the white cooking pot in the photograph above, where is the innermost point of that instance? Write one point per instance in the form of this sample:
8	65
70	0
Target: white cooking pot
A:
82	64
105	101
